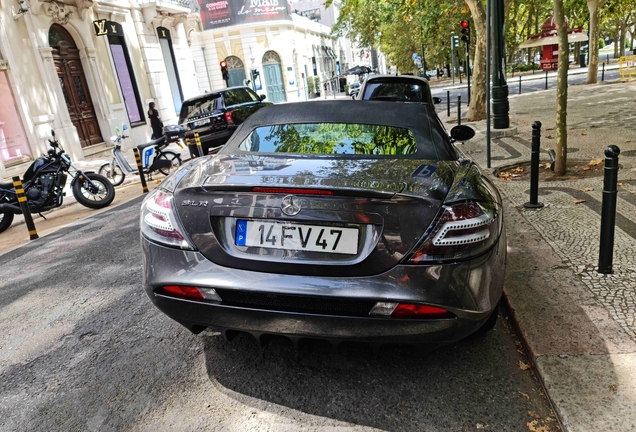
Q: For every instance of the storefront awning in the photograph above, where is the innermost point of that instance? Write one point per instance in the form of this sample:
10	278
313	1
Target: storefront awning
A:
553	40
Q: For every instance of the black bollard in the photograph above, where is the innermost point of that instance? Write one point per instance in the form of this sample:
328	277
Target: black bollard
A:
603	73
459	110
198	141
140	168
534	167
519	84
24	206
608	210
447	103
546	80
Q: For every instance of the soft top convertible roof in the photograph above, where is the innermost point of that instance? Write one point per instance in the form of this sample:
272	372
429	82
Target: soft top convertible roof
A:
420	118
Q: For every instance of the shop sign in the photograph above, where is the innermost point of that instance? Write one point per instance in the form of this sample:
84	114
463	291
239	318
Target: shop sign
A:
223	13
101	29
4	64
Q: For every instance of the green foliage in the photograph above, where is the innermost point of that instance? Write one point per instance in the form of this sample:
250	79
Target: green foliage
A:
317	84
520	67
601	43
311	88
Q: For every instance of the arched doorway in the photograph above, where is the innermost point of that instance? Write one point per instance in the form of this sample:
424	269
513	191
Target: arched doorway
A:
273	77
235	70
73	82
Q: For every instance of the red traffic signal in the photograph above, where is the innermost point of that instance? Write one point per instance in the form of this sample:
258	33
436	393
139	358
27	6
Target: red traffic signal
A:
224	72
464	24
223	64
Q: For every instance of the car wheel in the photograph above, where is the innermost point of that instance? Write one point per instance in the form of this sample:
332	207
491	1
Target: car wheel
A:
489	324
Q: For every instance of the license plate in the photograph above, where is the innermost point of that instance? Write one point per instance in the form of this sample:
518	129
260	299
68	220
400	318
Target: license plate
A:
293	236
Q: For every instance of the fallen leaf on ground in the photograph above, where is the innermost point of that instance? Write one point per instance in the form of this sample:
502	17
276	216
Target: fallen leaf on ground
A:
579	201
480	426
612	387
531	425
619	184
523	366
534	415
549	128
628	141
547	149
545	165
524	395
588	189
594	126
517	170
584	134
592	163
504	175
548	136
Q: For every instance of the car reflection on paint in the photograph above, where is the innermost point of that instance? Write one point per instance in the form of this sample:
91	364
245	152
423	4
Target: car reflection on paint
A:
342	220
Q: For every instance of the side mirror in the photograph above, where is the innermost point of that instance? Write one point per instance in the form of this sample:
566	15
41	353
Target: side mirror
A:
52	133
125	127
437	100
462	133
262	97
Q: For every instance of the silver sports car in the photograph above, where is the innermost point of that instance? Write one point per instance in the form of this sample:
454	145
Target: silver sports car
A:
339	220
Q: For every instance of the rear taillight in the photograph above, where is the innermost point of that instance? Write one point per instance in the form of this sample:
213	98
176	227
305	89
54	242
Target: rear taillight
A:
228	117
409	311
159	222
463	231
190	293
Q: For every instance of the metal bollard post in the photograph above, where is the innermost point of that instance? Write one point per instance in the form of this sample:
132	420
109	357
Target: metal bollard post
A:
546	80
447	103
459	110
24	206
608	210
187	141
519	84
603	73
198	141
534	168
144	186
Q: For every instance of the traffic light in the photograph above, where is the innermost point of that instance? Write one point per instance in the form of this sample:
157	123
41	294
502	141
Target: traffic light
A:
465	25
455	42
224	73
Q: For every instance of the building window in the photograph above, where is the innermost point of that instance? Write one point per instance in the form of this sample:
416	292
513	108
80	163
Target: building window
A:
14	147
125	74
313	14
171	67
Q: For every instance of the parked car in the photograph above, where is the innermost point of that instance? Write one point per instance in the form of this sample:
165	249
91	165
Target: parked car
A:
400	88
354	88
340	220
216	115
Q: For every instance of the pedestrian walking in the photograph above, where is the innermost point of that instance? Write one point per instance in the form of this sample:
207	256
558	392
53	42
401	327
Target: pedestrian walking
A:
155	122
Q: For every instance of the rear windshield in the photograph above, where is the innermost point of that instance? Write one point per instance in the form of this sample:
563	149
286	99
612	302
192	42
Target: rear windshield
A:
198	108
331	139
395	91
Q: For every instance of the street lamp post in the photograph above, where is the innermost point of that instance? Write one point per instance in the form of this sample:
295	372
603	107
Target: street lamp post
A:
500	106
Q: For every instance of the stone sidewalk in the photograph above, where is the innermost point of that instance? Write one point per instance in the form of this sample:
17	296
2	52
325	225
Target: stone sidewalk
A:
579	326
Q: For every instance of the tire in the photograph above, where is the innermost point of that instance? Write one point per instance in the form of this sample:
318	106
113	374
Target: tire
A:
174	158
5	221
116	177
97	199
489	324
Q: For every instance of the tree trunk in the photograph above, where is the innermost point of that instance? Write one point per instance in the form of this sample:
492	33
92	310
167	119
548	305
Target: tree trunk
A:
621	51
562	90
477	108
595	15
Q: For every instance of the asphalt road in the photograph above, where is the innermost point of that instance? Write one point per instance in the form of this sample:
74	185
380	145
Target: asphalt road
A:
82	348
528	85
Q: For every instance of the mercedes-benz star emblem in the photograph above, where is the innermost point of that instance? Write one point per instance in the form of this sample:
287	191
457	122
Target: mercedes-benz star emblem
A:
291	205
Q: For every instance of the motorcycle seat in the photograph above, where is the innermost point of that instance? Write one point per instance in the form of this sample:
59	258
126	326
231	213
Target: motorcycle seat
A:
6	186
158	141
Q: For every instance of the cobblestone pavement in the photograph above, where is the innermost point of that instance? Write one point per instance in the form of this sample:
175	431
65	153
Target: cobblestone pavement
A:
598	116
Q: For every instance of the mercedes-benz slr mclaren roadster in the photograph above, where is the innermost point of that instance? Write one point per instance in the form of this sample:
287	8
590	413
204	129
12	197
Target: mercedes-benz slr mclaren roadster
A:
343	220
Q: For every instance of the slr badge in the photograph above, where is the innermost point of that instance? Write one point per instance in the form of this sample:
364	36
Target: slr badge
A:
290	205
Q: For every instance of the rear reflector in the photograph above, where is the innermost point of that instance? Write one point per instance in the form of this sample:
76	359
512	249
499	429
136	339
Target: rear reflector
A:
191	293
407	310
292	191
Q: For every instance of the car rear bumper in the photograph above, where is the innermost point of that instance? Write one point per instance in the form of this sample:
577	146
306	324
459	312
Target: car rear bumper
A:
470	290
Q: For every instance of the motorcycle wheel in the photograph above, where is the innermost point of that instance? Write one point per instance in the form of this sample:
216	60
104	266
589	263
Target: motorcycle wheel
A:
116	176
5	221
174	158
96	199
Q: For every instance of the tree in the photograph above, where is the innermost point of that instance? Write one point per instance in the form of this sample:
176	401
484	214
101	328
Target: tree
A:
477	108
562	89
594	7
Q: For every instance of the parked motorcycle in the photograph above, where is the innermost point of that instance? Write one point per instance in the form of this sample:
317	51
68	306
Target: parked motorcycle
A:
153	158
44	182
